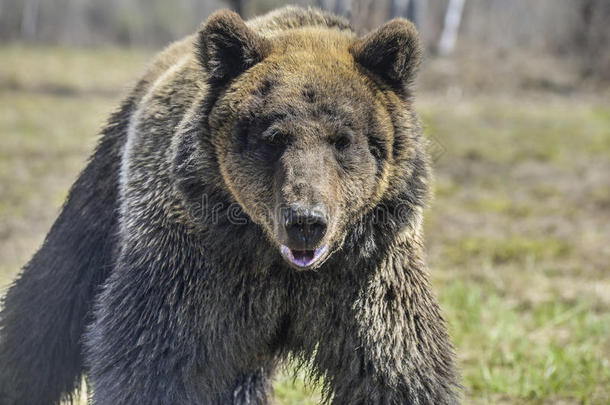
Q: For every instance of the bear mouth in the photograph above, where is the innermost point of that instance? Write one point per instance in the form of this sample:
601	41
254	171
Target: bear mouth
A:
303	259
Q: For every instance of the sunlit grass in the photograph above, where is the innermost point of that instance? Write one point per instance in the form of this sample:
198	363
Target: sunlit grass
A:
512	131
66	71
516	250
551	350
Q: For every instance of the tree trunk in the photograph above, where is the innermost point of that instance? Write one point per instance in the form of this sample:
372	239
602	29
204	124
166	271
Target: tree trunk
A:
453	17
29	22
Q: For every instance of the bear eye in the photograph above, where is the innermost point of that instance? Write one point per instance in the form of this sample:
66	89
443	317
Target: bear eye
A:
343	140
273	137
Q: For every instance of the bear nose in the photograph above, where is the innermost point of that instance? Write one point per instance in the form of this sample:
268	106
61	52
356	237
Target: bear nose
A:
304	228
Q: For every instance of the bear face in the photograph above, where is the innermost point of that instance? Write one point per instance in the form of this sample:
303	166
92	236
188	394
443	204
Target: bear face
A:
303	122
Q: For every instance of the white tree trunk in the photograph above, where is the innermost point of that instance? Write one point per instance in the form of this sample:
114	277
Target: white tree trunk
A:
453	17
29	21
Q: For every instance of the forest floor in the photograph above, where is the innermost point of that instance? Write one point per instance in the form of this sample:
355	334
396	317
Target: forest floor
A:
518	234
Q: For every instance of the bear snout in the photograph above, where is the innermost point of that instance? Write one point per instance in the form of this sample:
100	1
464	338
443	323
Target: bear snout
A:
304	228
301	232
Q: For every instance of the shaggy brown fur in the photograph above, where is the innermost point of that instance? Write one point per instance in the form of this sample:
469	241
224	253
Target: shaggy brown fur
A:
231	135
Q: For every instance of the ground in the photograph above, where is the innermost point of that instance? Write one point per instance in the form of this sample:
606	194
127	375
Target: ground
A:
518	233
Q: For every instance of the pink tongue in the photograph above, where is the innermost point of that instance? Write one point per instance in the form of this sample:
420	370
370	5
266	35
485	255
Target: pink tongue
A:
303	257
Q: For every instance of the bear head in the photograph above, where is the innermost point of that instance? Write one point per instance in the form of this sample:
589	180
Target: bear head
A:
314	132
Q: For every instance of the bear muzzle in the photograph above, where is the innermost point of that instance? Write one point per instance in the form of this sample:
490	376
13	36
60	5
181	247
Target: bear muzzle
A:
303	231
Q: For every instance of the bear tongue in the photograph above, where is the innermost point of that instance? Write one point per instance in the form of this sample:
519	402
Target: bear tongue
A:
303	257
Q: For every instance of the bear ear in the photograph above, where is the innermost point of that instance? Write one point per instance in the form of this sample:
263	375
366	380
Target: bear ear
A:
393	52
226	47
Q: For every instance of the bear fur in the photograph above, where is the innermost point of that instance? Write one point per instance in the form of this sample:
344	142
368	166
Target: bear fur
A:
164	280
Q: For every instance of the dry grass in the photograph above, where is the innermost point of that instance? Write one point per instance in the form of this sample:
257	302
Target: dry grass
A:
518	234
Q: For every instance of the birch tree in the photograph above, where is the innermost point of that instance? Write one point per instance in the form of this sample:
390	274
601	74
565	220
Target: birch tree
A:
29	21
453	17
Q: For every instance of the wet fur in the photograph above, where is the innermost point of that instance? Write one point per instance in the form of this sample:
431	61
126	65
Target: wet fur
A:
184	307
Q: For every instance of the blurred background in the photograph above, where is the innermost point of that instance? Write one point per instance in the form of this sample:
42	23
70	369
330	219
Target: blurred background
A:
514	96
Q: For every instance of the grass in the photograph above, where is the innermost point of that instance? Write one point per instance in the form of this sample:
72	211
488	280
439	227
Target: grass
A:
515	352
518	234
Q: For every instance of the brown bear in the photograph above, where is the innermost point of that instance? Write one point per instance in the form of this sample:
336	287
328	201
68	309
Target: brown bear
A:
258	196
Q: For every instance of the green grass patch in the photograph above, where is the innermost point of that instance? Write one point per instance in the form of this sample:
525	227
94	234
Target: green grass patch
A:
290	389
507	133
550	351
66	71
513	249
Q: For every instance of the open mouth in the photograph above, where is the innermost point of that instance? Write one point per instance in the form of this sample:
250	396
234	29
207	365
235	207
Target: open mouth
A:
303	258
